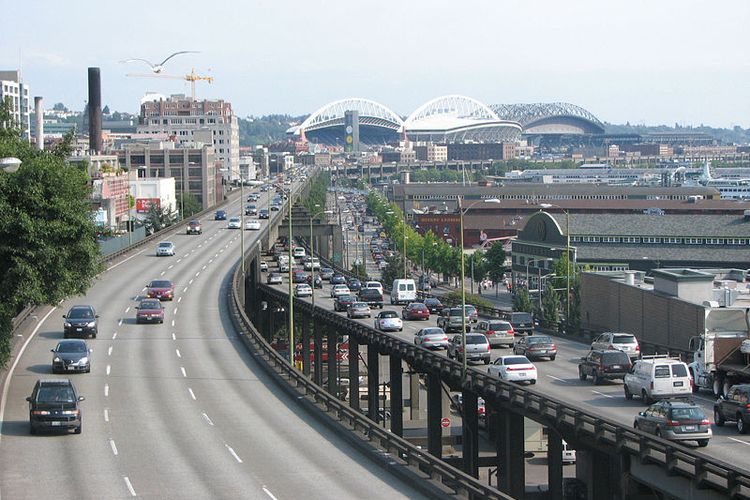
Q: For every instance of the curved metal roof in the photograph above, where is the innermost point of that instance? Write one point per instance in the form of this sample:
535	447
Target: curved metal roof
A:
370	113
555	117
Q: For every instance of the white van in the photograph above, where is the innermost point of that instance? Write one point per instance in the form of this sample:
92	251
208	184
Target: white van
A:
658	377
403	291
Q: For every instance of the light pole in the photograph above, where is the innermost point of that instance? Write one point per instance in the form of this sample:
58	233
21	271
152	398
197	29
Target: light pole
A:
291	295
461	212
312	249
567	260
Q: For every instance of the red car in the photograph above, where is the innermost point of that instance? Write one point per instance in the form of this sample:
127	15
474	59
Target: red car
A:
415	310
149	311
342	302
160	289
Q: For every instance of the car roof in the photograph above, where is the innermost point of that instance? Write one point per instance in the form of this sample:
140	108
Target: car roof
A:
55	381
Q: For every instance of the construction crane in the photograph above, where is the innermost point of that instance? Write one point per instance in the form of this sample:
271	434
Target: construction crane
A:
192	78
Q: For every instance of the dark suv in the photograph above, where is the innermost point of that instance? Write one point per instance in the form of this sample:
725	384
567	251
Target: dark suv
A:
54	404
372	296
81	321
600	365
735	406
522	322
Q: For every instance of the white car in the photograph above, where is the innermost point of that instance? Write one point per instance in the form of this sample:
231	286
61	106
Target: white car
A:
234	223
312	263
298	252
388	321
513	369
303	290
165	248
374	284
337	290
252	225
263	266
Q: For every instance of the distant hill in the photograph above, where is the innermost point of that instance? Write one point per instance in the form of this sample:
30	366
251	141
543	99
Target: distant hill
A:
268	129
736	135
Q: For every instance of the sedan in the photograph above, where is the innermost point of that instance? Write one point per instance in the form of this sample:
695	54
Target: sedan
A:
234	223
326	273
342	302
388	321
432	338
81	321
354	284
220	215
263	266
337	290
71	356
513	369
274	278
149	311
252	225
165	249
299	277
498	332
415	310
263	213
538	346
433	304
676	420
359	310
303	290
338	279
160	289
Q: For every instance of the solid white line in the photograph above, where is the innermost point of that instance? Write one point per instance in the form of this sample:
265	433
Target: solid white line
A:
130	486
557	378
268	492
114	336
602	394
179	299
13	367
192	394
143	289
106	390
178	353
112	445
210	260
184	373
174	337
125	260
197	274
109	351
108	369
190	282
739	441
106	415
236	457
205	417
127	309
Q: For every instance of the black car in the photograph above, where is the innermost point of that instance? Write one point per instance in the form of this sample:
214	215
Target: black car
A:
354	284
53	405
71	356
735	406
522	322
600	365
263	213
372	296
220	215
434	305
81	321
338	279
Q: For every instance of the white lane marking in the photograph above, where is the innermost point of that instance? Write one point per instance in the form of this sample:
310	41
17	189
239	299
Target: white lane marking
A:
739	441
216	255
236	457
268	492
119	323
127	309
106	415
190	282
210	260
602	394
557	378
192	394
172	322
184	373
130	486
144	289
114	336
175	310
174	337
163	273
109	351
179	260
112	445
178	353
109	368
6	387
204	267
106	390
184	289
125	260
205	417
197	274
171	266
187	254
179	299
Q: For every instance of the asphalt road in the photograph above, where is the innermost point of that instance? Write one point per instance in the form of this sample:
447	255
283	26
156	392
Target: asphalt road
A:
177	410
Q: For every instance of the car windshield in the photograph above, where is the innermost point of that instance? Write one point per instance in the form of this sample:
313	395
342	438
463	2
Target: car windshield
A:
455	312
623	339
165	245
539	340
71	347
516	360
150	305
433	331
615	357
360	305
80	314
431	302
499	326
417	307
389	314
160	284
687	414
56	394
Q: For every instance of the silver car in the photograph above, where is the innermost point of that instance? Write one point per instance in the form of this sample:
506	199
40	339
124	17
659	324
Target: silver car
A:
431	337
477	348
613	341
165	248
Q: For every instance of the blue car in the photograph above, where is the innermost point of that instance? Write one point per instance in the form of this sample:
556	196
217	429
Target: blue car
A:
220	215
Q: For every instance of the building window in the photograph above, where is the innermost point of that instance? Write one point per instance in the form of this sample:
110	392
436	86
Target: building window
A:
651	239
672	241
631	239
693	241
715	241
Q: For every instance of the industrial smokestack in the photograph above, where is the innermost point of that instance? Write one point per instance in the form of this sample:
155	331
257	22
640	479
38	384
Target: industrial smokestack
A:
95	110
39	114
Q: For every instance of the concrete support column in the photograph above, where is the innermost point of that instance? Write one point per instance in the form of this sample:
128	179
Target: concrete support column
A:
434	414
353	373
333	379
338	247
306	324
397	396
512	473
373	379
596	470
470	433
554	465
318	353
414	396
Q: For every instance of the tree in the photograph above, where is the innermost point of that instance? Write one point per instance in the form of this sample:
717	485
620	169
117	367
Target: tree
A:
359	271
105	111
394	269
158	218
495	258
48	248
189	204
550	306
522	300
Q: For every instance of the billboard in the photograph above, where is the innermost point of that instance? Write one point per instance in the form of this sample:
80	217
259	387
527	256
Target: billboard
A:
142	205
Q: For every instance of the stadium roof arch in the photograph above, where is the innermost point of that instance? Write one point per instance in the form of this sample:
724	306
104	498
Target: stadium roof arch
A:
551	118
332	114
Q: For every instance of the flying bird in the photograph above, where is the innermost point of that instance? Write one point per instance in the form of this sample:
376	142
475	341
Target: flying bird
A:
156	68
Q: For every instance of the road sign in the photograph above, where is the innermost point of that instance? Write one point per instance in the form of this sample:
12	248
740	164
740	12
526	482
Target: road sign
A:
445	422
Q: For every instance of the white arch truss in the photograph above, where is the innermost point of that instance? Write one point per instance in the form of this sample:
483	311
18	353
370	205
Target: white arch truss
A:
370	112
455	106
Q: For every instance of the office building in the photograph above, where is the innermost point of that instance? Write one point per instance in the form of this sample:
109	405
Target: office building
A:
13	89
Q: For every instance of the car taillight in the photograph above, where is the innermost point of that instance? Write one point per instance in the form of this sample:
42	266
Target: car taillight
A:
40	412
445	338
488	347
637	348
705	421
519	368
490	332
673	423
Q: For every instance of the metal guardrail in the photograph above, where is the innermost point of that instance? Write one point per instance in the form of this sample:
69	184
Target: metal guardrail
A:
673	458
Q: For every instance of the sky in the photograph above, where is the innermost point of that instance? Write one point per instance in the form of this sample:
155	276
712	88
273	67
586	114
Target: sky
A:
638	61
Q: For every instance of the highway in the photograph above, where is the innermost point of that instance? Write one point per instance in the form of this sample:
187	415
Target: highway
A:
177	410
559	379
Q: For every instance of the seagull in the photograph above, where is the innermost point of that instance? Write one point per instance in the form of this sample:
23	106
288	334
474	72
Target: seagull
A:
156	68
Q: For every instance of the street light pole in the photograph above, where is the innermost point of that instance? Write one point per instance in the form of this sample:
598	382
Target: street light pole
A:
291	295
406	275
463	291
567	260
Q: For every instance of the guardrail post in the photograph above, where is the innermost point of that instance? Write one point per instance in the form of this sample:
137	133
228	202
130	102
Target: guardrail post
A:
434	414
306	346
397	396
353	373
318	353
470	432
373	380
554	464
333	373
512	473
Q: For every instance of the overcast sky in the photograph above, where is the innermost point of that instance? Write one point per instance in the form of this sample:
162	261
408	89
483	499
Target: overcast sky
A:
637	61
